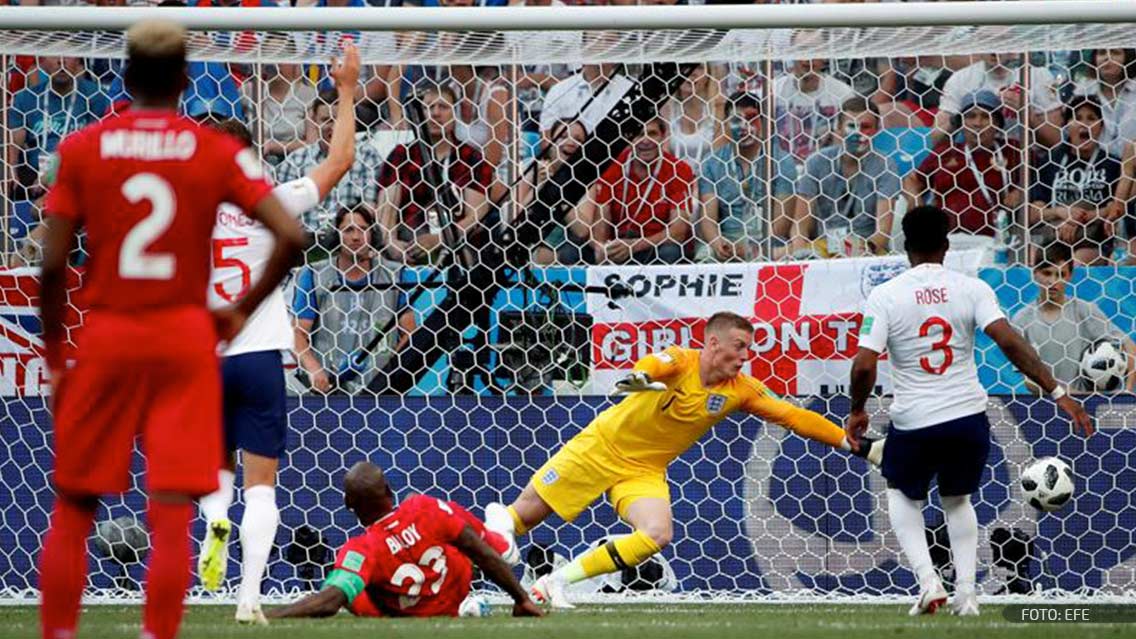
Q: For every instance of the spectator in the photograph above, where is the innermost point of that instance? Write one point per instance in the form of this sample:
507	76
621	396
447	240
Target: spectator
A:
695	118
361	186
976	179
341	302
378	95
1003	75
570	97
1061	327
845	194
734	186
1079	190
408	216
282	100
43	114
481	120
807	102
212	91
640	208
1110	80
911	89
563	141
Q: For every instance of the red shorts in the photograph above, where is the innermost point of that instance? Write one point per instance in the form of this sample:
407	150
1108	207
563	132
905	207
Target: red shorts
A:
153	375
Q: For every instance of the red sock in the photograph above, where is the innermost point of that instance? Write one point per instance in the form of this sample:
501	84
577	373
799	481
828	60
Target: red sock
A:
495	541
168	576
63	566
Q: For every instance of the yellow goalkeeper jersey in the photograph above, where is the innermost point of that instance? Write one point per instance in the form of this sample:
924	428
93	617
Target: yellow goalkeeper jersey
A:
651	428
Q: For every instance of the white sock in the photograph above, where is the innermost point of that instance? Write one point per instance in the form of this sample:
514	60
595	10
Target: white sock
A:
962	526
907	520
258	532
216	504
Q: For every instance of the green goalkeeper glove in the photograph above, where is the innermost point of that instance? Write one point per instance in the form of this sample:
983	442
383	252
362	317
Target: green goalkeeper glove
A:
637	382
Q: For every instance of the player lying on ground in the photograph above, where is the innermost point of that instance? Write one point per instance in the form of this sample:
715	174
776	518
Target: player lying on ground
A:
413	560
252	372
145	185
926	319
676	396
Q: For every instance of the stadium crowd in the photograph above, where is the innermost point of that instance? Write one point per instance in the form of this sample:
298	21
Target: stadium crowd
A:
810	159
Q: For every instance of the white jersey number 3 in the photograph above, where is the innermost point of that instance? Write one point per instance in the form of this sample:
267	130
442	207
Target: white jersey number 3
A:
134	262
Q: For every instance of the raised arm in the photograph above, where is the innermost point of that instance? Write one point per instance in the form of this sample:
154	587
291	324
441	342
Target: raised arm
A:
491	564
341	150
1026	359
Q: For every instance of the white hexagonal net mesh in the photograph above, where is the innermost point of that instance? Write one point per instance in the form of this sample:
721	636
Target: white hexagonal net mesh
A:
601	194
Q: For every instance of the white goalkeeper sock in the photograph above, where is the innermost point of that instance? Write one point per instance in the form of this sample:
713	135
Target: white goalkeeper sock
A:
216	504
258	532
906	517
962	526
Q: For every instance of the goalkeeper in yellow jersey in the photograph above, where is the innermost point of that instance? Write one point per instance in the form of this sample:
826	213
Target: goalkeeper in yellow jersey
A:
674	397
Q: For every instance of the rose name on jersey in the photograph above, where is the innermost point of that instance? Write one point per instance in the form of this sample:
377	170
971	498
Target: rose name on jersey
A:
147	145
403	539
926	296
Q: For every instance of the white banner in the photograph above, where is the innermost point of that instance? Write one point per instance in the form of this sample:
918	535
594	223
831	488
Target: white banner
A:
805	315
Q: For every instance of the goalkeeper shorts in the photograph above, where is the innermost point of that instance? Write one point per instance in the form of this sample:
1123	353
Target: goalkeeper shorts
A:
583	470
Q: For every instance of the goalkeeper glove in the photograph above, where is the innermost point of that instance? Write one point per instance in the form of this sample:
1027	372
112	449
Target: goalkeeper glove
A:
871	450
638	382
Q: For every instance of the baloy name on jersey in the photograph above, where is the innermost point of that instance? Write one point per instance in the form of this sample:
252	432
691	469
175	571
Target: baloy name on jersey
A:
407	537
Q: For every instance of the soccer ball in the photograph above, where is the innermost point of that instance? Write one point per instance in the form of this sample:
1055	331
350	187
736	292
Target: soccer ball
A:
475	606
1104	365
1047	484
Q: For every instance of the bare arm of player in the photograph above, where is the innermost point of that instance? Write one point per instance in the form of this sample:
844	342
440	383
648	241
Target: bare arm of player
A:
341	150
324	603
1026	359
862	381
473	546
289	239
59	242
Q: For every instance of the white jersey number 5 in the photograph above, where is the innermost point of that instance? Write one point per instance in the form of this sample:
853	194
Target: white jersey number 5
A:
133	261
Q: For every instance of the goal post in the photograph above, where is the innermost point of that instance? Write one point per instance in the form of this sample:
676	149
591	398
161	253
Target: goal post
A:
628	171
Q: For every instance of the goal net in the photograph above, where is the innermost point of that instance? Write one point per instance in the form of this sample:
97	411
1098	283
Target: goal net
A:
603	181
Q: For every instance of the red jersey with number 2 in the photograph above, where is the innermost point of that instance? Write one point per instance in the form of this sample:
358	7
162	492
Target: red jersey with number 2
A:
408	562
146	186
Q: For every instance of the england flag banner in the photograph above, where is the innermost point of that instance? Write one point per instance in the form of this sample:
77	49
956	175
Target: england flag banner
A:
805	315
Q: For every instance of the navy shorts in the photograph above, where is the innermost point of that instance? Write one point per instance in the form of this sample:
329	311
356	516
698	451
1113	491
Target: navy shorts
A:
955	452
255	416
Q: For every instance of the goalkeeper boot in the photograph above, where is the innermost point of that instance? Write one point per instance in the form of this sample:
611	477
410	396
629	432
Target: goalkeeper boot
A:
965	604
214	559
250	615
550	590
931	597
498	520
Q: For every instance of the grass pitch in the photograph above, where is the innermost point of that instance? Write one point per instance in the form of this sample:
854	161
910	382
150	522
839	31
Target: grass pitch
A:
631	621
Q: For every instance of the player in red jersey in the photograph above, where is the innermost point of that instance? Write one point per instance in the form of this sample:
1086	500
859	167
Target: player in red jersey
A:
412	561
145	186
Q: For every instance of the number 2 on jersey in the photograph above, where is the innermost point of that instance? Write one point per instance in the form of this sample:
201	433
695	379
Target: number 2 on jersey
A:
942	344
134	262
220	261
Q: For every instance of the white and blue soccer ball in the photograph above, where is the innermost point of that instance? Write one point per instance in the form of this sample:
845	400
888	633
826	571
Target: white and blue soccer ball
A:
475	606
1104	366
1047	484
